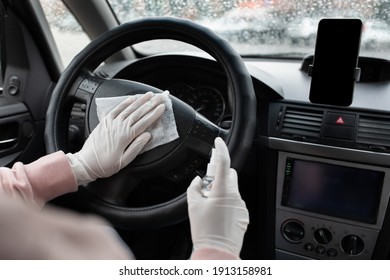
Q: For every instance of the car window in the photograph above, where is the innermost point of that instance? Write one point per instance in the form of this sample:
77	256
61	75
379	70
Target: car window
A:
269	28
65	29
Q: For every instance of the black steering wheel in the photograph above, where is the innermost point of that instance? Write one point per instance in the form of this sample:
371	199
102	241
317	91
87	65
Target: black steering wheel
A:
78	83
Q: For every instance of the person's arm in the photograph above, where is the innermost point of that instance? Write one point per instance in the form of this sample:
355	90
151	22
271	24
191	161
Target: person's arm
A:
29	233
38	182
219	221
112	145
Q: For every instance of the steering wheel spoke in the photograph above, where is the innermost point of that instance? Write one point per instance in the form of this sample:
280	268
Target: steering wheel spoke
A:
114	190
82	95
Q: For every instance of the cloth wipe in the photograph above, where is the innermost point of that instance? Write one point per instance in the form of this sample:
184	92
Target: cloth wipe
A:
163	131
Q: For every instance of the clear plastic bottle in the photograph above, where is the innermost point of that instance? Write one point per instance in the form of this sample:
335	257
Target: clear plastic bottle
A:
208	179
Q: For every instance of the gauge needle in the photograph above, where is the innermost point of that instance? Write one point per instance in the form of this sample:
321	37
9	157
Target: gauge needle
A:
200	108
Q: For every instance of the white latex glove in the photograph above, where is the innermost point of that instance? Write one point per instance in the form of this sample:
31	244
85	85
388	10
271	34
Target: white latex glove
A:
220	220
117	139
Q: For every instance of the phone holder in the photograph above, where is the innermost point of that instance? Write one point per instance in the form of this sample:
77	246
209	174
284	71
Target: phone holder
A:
356	73
373	70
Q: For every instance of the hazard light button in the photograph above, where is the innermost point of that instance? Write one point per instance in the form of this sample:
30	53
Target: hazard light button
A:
339	126
340	119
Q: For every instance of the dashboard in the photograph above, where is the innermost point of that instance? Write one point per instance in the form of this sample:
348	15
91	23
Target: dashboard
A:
321	172
332	171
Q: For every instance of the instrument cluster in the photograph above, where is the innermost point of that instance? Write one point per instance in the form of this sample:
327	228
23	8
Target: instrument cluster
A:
207	101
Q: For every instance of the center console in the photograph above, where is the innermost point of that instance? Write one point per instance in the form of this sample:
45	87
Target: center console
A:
331	183
328	208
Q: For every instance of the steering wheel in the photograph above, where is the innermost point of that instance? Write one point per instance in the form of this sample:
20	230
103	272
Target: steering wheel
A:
78	83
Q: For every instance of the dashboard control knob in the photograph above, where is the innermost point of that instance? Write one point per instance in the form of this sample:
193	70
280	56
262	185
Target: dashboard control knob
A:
309	247
320	250
331	252
352	245
323	236
293	231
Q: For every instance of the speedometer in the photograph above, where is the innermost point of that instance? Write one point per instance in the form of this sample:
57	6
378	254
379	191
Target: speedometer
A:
205	100
183	92
209	103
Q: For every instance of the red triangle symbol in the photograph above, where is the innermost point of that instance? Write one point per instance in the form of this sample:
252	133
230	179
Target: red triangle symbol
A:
340	120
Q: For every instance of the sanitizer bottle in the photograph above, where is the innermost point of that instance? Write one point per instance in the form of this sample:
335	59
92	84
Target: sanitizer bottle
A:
208	179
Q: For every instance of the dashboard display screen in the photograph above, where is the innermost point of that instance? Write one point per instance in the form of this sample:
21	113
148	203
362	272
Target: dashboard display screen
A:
340	191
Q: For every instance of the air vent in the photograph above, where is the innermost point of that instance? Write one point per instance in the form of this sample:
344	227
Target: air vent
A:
374	131
302	123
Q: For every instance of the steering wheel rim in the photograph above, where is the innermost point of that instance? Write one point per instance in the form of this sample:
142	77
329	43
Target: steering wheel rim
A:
238	138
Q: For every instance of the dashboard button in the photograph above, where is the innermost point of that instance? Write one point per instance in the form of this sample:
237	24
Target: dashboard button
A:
320	250
340	119
331	252
309	247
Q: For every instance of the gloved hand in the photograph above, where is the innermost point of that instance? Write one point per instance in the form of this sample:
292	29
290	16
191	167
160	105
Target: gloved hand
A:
220	220
117	139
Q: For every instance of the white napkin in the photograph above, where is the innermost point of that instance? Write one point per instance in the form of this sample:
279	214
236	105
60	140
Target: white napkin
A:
163	130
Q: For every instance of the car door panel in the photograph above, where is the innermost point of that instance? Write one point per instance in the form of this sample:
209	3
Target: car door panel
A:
16	130
26	91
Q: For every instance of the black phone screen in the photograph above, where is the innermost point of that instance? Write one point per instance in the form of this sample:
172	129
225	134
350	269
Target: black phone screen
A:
335	60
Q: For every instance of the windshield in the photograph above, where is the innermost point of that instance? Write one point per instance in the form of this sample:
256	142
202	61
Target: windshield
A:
280	28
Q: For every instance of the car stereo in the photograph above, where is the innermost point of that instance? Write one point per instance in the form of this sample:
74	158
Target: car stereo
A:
327	208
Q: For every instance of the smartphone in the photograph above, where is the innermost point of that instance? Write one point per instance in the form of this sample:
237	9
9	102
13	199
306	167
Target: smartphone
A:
334	70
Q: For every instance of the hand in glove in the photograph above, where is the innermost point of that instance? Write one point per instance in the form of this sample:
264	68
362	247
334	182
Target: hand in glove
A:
220	220
117	139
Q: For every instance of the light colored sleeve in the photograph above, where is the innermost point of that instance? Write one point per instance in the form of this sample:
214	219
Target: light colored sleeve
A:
212	254
40	181
29	233
50	233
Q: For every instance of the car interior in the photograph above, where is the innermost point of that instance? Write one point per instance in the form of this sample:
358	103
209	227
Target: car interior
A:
304	112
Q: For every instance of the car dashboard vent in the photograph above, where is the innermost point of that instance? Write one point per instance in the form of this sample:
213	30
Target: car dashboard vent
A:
302	123
374	131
